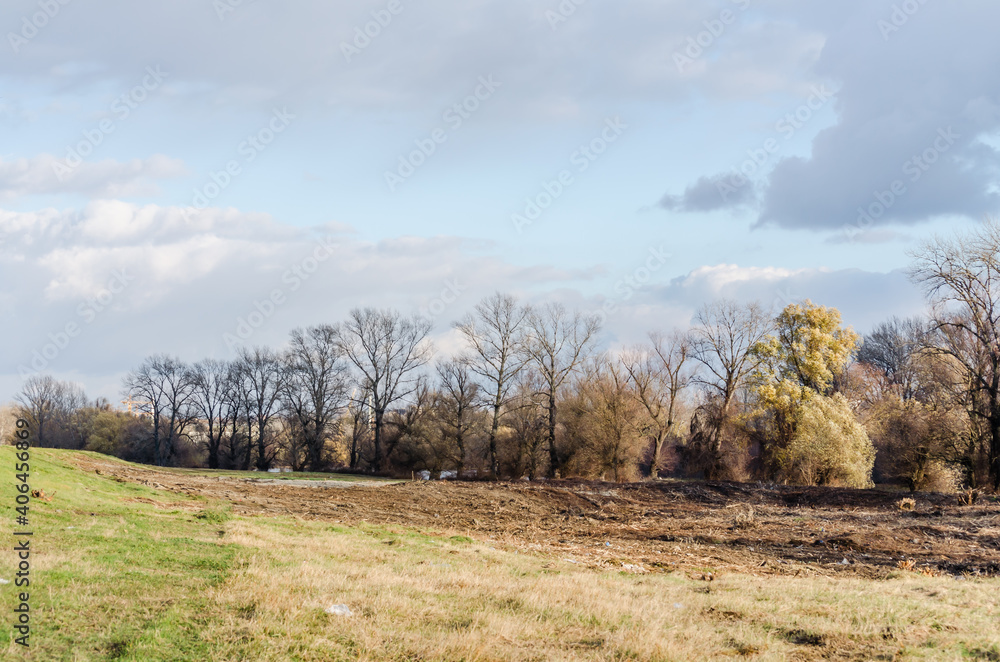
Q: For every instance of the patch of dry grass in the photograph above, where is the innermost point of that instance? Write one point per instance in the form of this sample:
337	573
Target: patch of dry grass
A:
128	572
429	597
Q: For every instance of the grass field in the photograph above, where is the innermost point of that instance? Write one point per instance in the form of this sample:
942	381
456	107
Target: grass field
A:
123	571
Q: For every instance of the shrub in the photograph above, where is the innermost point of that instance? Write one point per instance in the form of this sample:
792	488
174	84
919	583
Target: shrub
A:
829	446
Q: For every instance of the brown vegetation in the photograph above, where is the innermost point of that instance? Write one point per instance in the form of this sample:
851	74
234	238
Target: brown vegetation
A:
651	527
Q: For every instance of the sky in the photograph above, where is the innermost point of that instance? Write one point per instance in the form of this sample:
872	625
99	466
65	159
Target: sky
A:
183	177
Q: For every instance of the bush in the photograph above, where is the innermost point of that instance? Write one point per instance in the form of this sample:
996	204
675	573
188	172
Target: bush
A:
917	444
940	477
829	446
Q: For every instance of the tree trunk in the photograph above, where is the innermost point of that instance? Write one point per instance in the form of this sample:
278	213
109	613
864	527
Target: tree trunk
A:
994	454
314	446
379	460
494	429
214	439
553	457
263	463
460	443
654	465
249	452
156	439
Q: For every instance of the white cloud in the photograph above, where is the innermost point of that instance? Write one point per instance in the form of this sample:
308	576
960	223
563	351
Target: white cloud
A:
864	298
167	281
46	174
142	279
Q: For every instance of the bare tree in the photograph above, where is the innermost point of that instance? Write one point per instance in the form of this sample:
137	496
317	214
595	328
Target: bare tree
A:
261	378
211	381
961	278
235	449
164	387
49	406
659	373
359	418
605	421
388	350
456	407
410	429
724	334
495	333
557	345
315	390
528	426
891	349
8	423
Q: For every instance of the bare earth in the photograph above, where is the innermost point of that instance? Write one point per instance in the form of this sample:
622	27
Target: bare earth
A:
698	527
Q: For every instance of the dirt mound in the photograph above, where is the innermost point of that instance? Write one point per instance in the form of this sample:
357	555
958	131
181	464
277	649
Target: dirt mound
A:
641	527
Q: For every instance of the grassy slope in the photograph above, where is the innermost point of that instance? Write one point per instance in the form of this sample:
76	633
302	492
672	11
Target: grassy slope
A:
150	575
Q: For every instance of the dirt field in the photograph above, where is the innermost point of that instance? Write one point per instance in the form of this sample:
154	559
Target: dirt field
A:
699	528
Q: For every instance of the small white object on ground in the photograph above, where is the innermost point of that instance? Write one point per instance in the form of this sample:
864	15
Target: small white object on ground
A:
845	562
339	610
631	567
4	581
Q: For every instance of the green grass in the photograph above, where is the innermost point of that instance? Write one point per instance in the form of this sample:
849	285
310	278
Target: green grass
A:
117	568
125	572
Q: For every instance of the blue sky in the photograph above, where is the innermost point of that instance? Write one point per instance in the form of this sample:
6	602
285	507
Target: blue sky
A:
647	110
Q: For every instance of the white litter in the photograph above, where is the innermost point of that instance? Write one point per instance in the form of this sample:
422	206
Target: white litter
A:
845	562
4	581
339	610
631	567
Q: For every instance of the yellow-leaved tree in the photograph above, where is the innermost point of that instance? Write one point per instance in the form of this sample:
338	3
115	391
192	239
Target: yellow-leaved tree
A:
808	433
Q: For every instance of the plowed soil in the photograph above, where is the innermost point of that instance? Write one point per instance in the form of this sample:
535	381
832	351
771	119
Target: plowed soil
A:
701	528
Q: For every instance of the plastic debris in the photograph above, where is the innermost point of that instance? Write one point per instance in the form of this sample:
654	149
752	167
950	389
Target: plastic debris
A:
339	610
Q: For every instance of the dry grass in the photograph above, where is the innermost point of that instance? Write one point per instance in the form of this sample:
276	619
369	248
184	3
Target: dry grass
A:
416	598
147	575
745	518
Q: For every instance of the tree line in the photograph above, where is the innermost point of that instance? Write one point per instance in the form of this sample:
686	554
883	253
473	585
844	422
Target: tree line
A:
743	394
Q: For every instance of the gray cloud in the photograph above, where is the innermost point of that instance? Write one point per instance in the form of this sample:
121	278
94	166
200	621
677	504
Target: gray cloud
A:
901	92
918	106
267	50
723	191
